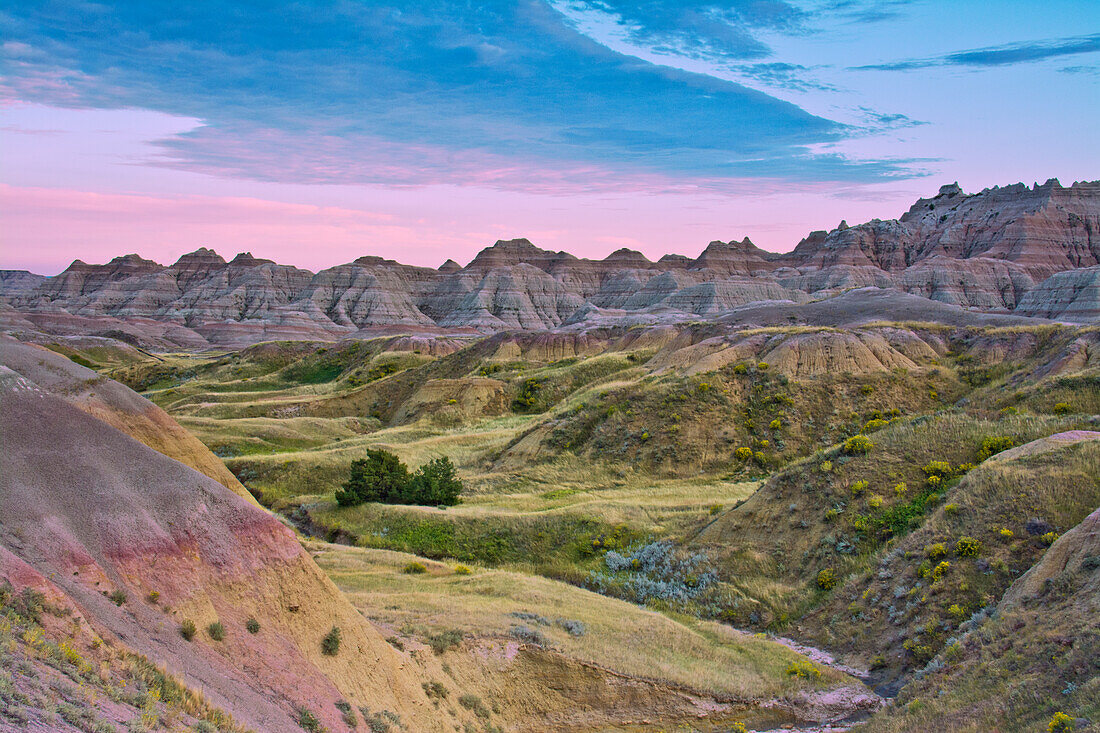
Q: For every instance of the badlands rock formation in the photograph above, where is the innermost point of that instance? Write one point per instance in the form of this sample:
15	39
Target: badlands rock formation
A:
1030	251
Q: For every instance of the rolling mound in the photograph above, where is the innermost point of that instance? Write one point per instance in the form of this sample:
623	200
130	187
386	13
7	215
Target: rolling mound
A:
116	405
99	513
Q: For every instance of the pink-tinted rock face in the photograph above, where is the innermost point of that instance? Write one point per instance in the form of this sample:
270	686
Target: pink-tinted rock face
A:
1029	250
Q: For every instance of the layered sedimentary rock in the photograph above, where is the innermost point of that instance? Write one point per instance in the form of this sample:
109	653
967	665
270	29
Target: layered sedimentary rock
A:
1033	251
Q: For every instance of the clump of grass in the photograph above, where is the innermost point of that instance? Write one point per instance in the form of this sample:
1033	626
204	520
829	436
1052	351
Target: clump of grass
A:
445	640
528	635
435	689
414	568
462	570
188	629
474	703
1049	538
153	596
117	597
216	631
826	579
252	625
330	645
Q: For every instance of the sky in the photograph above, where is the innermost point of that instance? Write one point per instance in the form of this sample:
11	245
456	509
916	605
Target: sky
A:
313	132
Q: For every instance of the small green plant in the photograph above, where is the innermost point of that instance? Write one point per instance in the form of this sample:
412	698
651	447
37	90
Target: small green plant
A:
153	596
950	509
216	631
445	640
117	597
776	424
188	629
435	689
347	712
956	611
762	366
826	579
462	570
1049	538
330	645
859	487
308	721
252	625
474	703
414	568
1006	533
858	445
1062	408
900	489
715	509
968	547
874	501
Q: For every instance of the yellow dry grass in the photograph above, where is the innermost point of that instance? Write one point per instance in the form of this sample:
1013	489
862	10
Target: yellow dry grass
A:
619	636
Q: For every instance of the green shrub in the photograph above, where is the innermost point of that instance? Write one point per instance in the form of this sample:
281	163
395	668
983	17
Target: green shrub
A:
940	570
252	625
1006	533
462	570
347	712
776	424
414	568
216	631
951	509
445	640
473	702
875	424
187	629
434	484
743	453
1063	408
1049	538
381	476
153	596
434	689
308	721
117	597
859	487
330	645
874	501
968	547
858	445
826	579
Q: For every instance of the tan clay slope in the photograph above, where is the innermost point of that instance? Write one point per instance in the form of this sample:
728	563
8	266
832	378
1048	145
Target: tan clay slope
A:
96	511
117	405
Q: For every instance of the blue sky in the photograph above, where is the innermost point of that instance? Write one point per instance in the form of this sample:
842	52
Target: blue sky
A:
758	117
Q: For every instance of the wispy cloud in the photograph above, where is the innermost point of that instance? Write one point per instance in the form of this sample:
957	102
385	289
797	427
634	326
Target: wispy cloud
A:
1015	53
500	93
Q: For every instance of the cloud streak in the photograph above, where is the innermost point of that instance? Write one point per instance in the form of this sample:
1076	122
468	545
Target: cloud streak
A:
993	56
